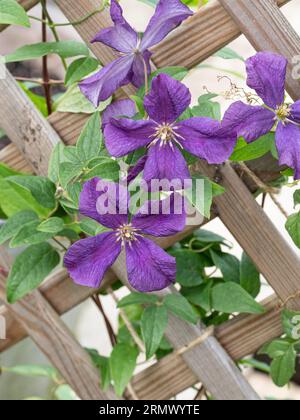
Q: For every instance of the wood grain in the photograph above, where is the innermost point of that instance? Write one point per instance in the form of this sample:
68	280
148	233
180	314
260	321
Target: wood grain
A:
51	335
268	30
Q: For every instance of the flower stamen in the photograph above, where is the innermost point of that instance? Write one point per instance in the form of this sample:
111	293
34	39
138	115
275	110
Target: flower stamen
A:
165	134
127	234
283	112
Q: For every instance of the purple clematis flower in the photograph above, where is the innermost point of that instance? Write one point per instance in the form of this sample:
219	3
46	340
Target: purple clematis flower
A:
165	137
134	52
266	75
149	267
121	108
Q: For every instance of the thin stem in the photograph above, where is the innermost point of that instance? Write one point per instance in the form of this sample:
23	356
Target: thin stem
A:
39	81
47	87
109	327
128	324
146	76
55	35
60	244
51	24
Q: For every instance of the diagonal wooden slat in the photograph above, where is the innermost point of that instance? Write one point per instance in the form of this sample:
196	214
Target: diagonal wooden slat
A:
51	335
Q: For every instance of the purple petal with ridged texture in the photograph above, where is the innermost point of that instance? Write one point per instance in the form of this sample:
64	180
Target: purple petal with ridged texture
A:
103	84
162	218
121	108
105	202
166	163
123	136
296	112
135	170
250	122
141	62
168	15
288	146
207	139
266	75
167	100
149	267
88	260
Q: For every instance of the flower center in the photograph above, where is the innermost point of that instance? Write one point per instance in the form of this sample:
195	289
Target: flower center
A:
127	233
283	112
166	134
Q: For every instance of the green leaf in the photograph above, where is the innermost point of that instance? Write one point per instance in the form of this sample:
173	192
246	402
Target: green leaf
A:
79	69
228	264
91	227
15	223
102	363
180	307
75	102
34	371
200	296
12	13
283	368
138	298
250	277
6	171
229	54
139	103
65	393
245	151
39	101
231	297
57	157
15	198
64	49
291	324
109	170
30	269
208	109
296	198
122	365
53	225
293	228
67	172
90	141
277	348
29	235
153	324
41	188
201	195
189	267
208	237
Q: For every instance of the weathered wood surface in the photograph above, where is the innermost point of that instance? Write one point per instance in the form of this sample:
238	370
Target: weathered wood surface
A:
267	29
27	4
24	125
51	335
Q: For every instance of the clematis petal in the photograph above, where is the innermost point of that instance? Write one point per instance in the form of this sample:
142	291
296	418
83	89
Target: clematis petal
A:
167	100
149	267
121	108
166	163
288	146
168	15
138	68
135	170
266	75
296	111
105	202
207	139
250	122
102	85
88	260
162	218
123	136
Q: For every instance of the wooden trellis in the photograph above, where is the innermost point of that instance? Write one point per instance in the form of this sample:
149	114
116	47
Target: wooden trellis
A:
33	137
